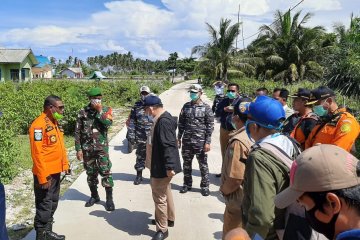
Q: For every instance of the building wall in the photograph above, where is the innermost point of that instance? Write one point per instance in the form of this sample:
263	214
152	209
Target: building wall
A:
68	73
26	65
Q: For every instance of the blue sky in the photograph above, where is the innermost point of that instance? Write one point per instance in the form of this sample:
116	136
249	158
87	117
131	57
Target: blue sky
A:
148	28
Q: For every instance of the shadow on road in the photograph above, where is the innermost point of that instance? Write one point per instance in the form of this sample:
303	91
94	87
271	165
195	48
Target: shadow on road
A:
128	177
123	148
134	223
74	194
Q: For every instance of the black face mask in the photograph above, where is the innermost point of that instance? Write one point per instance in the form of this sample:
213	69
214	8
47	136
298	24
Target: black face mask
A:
328	229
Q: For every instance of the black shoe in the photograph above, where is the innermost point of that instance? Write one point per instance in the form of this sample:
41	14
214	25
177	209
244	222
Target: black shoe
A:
92	201
49	231
159	235
218	175
40	233
49	235
110	206
185	189
205	192
170	223
138	178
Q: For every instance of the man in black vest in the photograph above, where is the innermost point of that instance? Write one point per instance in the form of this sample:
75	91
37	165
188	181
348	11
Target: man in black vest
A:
165	163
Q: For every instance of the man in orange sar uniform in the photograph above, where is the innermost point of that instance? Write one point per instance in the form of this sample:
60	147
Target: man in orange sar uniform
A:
49	160
337	127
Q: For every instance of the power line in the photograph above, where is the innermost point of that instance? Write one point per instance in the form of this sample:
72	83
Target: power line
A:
292	8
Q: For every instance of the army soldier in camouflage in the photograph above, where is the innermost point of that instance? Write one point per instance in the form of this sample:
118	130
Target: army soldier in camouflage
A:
196	124
138	131
92	147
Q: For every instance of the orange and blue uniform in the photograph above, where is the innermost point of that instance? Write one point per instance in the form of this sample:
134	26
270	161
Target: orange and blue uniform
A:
341	129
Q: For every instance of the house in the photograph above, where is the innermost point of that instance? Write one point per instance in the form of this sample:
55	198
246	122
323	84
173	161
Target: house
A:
72	73
16	64
43	69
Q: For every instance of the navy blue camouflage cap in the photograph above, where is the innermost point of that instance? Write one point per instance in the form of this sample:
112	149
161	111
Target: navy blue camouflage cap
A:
152	100
320	93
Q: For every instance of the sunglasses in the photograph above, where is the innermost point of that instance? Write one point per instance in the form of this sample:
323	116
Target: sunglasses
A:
62	107
231	91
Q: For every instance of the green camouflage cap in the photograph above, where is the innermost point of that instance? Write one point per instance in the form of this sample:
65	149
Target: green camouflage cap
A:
94	92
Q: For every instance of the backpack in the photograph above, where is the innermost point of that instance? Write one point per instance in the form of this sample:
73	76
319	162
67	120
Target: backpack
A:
296	225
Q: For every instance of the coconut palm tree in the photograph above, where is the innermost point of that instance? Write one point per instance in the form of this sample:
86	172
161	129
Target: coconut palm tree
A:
287	50
217	53
343	71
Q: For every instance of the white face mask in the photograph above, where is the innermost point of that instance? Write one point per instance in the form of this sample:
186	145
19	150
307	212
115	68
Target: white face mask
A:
95	101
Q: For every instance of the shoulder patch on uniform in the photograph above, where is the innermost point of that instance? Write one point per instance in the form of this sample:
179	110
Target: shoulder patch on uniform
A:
38	134
49	128
52	139
345	128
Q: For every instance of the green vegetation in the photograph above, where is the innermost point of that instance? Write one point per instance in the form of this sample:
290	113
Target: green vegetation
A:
286	52
22	103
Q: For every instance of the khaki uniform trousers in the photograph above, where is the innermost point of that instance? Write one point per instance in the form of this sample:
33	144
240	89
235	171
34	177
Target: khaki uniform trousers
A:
224	139
164	202
232	216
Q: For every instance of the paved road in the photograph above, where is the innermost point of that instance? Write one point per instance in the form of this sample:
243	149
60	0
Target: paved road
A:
197	217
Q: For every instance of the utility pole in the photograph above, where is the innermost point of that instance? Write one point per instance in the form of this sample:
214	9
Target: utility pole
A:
238	23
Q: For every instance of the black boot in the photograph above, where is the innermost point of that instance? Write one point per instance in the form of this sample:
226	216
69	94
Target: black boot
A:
49	234
94	197
110	206
40	233
138	178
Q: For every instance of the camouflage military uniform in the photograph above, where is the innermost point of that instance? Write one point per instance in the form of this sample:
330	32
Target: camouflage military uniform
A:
196	124
91	137
138	130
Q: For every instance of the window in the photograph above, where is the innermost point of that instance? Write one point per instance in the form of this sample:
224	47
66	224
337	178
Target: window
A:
23	74
14	74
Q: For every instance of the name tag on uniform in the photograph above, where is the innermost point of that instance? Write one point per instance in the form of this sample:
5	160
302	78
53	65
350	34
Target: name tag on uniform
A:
38	134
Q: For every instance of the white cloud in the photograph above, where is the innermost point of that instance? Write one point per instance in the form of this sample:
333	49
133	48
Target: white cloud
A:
111	45
324	5
133	19
153	32
155	51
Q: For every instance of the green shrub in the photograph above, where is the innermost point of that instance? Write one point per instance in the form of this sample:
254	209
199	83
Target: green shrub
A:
21	103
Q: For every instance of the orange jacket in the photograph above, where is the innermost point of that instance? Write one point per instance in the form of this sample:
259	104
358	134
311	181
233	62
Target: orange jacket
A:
47	148
342	131
303	128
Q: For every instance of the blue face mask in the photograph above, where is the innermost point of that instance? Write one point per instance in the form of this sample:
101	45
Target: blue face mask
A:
320	111
231	95
194	96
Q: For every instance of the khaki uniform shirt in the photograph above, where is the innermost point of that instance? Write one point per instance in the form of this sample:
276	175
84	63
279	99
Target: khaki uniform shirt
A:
233	166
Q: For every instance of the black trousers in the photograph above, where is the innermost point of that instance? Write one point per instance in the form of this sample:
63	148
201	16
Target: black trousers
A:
46	201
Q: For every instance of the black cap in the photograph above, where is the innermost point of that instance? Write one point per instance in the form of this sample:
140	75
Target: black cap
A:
320	93
152	100
302	93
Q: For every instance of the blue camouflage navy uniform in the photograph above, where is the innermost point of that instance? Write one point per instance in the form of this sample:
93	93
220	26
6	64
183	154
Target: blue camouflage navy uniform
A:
196	124
138	131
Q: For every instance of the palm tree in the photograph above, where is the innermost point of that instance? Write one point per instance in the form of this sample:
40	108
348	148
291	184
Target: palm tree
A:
288	51
217	53
343	71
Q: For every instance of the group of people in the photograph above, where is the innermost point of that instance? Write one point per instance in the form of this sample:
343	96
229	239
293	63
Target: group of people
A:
299	157
276	161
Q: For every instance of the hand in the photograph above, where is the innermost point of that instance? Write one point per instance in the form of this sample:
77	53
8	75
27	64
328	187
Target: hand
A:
127	123
229	109
46	185
79	155
68	172
170	173
98	107
179	143
206	147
